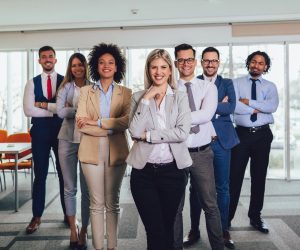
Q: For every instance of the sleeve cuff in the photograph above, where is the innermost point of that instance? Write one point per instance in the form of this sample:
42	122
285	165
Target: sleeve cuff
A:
148	137
99	123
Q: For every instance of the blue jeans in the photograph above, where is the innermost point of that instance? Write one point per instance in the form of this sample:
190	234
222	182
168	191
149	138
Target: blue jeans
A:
221	171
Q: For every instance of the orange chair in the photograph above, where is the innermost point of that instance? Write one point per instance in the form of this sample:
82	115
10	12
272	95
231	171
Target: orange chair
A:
8	161
3	135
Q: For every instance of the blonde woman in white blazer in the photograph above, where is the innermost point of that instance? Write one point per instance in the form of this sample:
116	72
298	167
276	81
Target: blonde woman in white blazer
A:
159	124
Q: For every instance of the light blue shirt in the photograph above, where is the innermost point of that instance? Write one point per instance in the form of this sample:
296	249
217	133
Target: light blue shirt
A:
105	101
266	101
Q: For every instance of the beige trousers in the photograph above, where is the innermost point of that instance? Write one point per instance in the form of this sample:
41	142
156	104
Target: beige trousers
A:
104	183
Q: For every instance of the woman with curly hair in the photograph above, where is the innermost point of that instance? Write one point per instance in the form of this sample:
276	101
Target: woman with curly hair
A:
102	118
69	138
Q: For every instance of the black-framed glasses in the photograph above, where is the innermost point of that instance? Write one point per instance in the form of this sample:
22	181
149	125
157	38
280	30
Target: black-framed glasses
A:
187	60
207	62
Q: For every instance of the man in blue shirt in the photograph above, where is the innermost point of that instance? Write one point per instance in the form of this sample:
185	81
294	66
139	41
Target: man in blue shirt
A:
257	99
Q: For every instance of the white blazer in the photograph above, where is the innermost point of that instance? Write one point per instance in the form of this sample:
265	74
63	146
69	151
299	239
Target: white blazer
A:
178	123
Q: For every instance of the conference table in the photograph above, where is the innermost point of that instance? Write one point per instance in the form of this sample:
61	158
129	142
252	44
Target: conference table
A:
16	149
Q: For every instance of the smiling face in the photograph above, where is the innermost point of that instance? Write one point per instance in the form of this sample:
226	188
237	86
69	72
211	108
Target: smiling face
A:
186	63
107	66
47	60
77	69
210	64
257	66
159	71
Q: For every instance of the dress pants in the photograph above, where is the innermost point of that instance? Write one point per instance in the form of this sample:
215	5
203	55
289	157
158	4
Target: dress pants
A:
68	158
221	171
157	192
203	180
256	146
104	183
43	138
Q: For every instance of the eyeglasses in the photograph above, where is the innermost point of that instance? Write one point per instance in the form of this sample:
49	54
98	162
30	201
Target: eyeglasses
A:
187	60
207	62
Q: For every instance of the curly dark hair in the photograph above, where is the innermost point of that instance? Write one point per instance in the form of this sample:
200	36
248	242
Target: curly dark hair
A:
115	51
259	53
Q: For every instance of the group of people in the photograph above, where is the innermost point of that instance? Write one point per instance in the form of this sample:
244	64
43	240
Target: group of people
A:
180	129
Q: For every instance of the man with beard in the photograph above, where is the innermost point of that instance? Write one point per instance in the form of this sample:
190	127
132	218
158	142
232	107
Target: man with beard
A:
221	146
202	97
257	100
39	104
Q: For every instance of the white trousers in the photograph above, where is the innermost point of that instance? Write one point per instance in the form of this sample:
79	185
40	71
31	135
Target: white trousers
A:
104	183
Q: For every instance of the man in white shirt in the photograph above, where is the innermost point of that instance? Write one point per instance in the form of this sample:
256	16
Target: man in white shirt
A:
39	103
203	103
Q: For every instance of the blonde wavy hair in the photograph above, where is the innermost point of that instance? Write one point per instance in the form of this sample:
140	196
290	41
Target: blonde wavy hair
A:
155	54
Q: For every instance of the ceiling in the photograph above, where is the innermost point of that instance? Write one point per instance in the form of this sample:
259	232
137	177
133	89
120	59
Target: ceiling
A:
20	15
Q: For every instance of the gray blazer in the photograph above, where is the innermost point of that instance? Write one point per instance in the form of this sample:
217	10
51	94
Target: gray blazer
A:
65	94
142	118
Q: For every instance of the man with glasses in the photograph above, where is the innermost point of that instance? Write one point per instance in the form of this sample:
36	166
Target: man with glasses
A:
221	146
203	103
257	101
39	103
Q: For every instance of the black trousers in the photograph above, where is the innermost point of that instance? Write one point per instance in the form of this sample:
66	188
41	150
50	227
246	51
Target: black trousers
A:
256	147
43	138
157	192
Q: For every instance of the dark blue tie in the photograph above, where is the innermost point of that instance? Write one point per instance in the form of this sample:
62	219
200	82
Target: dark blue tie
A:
253	117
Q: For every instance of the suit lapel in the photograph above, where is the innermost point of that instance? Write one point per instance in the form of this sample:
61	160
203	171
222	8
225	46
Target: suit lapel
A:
168	108
95	99
115	100
153	112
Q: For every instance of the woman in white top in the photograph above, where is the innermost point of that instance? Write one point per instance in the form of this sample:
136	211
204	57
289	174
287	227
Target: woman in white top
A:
159	124
69	138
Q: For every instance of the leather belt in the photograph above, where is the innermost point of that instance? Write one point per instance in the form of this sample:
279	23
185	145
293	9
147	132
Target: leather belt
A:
198	149
254	129
214	138
158	165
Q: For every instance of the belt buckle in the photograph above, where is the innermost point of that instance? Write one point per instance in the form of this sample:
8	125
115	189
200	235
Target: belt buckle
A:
155	165
252	130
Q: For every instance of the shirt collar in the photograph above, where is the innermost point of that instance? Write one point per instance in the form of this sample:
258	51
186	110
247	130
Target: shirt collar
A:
98	85
45	75
169	90
207	79
259	79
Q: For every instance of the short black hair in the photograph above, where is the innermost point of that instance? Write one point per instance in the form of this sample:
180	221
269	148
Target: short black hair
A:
115	51
184	46
210	49
46	48
260	53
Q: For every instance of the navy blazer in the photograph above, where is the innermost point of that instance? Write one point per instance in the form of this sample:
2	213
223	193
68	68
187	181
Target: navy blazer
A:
222	122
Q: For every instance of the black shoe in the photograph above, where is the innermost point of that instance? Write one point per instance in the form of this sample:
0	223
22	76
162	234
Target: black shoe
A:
260	225
191	238
228	242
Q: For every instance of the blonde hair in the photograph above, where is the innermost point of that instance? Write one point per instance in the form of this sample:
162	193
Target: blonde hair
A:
155	54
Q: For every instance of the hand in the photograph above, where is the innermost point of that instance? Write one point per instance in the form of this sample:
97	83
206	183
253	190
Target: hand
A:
256	111
82	121
154	92
41	105
244	100
225	99
68	105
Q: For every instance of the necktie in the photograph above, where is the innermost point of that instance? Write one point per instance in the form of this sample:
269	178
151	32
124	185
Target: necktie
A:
196	128
49	88
253	117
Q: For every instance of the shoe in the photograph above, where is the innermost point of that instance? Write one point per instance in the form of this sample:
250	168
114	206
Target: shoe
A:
74	244
33	225
83	246
228	242
260	225
191	238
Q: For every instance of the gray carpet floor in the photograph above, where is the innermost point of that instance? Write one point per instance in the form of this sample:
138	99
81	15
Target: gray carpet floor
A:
281	212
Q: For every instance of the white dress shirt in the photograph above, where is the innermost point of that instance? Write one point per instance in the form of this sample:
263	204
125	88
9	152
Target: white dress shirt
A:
161	152
29	98
206	100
